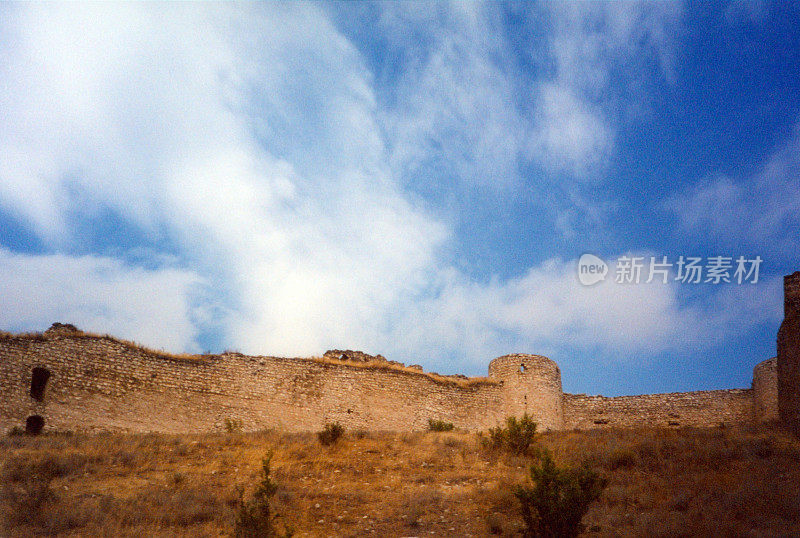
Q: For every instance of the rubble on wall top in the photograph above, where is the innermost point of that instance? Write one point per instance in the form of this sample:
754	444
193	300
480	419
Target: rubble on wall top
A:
63	327
350	355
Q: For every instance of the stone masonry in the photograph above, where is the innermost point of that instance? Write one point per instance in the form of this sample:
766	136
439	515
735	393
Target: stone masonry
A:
789	353
68	380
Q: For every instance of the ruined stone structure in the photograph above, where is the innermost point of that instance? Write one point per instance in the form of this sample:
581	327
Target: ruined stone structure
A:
789	353
65	379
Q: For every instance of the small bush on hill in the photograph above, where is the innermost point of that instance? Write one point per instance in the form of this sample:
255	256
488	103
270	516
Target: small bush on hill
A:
330	433
255	518
233	426
517	436
439	425
557	499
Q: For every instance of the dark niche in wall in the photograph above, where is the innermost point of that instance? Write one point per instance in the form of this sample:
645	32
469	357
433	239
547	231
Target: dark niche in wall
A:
39	382
34	424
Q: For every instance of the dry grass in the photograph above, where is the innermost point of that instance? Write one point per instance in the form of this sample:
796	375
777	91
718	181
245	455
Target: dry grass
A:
731	482
397	367
4	335
78	334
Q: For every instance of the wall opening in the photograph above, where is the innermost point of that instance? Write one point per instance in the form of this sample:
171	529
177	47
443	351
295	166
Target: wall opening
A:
34	424
39	382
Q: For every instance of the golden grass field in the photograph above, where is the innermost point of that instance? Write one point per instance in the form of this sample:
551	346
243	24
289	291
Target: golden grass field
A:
687	482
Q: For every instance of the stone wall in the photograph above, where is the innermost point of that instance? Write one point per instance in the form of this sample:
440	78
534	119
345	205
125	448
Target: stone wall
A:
102	383
765	391
81	382
701	408
789	353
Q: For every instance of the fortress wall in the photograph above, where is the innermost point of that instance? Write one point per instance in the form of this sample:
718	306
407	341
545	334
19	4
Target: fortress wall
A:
700	408
765	391
532	385
101	383
789	353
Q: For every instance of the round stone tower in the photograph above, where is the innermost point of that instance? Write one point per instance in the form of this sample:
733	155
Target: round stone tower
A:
531	384
765	391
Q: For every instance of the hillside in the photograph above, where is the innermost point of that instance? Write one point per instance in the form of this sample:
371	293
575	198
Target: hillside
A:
686	482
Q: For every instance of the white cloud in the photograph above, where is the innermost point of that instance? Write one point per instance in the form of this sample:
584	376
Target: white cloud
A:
453	114
548	311
570	134
248	139
761	212
99	294
598	53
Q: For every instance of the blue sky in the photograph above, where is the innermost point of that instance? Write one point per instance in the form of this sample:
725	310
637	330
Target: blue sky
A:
412	179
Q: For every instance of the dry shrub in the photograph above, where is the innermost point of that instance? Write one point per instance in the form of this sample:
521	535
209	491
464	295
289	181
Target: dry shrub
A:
27	496
453	442
233	425
330	433
49	466
623	459
418	503
181	507
494	523
435	425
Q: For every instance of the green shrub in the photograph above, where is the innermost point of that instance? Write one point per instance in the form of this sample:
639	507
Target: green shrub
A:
233	426
255	518
495	440
558	498
439	425
517	436
330	433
